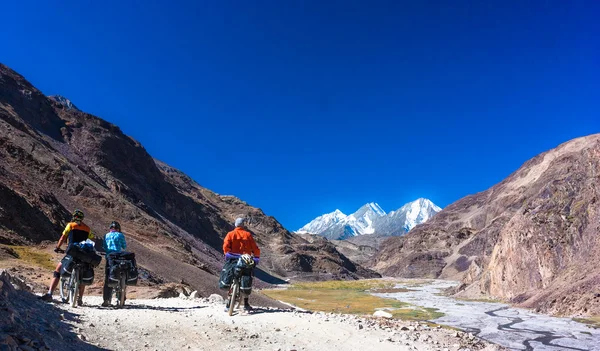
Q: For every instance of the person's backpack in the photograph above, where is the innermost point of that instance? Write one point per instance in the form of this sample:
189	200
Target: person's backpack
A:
84	252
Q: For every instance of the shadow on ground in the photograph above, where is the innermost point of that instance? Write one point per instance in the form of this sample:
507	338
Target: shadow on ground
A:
267	278
148	307
261	310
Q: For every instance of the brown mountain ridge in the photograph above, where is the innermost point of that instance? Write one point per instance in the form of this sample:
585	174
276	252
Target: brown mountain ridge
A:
54	159
532	239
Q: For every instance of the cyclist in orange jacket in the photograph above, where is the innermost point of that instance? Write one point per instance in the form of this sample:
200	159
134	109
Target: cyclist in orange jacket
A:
238	242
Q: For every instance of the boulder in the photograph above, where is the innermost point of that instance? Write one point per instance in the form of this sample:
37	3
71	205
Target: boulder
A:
383	314
214	298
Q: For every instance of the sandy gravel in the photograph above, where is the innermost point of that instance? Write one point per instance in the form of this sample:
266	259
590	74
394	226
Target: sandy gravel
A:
201	324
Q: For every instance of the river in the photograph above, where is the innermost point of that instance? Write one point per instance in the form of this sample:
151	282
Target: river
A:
515	328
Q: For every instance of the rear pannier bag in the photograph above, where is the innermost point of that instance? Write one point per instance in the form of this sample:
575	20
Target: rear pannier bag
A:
122	263
246	283
226	277
245	274
132	274
87	275
85	256
67	265
114	274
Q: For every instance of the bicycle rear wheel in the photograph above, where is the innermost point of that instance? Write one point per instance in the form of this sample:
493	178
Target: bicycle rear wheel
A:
235	291
74	287
121	291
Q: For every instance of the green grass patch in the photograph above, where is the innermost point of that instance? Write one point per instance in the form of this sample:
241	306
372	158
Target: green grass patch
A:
416	313
30	255
359	285
593	322
352	297
339	301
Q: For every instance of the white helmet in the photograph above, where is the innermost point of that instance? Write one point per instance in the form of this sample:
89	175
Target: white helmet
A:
240	222
248	260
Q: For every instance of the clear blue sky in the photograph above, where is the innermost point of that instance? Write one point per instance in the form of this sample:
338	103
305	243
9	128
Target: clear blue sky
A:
301	107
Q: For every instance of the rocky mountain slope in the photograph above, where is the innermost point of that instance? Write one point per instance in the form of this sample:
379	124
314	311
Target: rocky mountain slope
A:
54	158
371	219
534	238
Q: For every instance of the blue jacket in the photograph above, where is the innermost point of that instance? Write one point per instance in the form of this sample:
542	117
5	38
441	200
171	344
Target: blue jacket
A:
114	242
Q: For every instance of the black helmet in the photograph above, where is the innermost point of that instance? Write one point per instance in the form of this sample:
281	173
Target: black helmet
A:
78	215
115	225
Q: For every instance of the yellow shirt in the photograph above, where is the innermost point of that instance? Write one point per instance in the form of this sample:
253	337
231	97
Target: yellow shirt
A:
77	232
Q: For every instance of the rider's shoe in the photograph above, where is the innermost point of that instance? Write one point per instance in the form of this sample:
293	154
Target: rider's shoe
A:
247	306
227	307
106	304
80	302
46	297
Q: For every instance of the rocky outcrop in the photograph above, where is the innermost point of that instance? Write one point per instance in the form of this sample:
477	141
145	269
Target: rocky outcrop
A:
30	324
531	239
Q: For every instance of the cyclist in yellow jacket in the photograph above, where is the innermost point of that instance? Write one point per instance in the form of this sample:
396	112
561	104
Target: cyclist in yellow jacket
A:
76	231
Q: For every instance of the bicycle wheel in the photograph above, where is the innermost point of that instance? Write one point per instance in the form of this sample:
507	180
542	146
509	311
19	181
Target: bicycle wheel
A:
64	289
74	287
117	291
235	291
121	291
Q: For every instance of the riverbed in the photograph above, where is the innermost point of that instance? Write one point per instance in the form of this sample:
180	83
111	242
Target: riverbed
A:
515	328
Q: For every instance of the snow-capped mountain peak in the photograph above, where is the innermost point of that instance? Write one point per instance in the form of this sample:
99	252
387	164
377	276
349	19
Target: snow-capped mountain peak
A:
376	208
339	213
364	219
372	219
416	212
322	223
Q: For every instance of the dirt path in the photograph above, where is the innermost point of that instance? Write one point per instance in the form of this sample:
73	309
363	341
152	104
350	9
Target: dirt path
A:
200	324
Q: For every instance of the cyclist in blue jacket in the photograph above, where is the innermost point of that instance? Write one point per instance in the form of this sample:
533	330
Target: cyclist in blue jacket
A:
114	241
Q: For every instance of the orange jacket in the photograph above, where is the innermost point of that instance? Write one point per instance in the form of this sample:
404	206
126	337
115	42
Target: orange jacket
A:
240	241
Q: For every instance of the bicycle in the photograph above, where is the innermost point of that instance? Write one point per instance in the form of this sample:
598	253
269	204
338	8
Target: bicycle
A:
234	291
121	267
121	287
69	285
